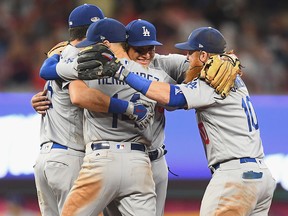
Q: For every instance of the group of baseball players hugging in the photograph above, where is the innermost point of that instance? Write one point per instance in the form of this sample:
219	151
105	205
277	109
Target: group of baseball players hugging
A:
102	109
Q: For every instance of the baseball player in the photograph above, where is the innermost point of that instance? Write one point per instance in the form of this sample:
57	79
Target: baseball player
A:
64	113
141	48
142	35
61	134
241	183
116	165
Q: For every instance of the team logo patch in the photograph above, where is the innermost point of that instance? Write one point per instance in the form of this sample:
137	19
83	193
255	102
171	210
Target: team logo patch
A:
69	60
120	146
192	85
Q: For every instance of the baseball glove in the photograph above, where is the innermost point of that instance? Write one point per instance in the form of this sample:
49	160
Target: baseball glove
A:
97	61
220	72
57	49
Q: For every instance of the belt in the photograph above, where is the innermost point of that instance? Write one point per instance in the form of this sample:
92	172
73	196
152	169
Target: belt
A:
242	160
153	155
134	146
59	146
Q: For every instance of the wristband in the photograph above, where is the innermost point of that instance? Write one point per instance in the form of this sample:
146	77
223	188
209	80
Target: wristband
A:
117	106
138	83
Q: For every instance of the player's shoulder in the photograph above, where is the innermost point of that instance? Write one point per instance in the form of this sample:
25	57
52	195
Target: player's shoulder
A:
162	60
169	56
70	50
69	54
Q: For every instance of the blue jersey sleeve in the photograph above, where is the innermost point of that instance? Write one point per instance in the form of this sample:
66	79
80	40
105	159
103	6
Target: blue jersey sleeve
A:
48	68
177	98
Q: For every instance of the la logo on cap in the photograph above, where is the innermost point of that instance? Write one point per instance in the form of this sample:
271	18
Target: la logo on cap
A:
146	32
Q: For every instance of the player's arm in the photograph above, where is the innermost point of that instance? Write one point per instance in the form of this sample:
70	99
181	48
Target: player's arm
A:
94	100
61	67
48	68
164	93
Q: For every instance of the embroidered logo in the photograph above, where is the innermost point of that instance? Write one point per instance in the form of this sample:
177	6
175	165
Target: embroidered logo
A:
146	32
120	146
192	84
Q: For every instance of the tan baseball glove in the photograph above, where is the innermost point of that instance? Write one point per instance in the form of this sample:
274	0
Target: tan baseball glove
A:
57	49
220	72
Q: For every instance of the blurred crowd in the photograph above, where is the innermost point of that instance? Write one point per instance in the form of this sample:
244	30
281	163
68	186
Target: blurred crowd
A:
256	30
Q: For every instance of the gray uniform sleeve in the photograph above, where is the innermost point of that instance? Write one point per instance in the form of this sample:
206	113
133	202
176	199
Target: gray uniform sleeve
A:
175	65
198	94
66	68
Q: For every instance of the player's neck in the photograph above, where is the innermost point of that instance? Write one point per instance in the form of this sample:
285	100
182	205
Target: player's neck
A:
119	51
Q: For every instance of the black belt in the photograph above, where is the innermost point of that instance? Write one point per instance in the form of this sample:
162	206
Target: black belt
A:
134	146
153	155
242	160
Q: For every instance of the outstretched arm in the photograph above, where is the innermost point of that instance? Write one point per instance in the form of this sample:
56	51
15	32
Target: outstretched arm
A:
220	72
94	100
164	93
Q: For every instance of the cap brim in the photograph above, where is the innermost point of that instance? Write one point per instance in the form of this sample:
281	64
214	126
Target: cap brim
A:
184	46
145	43
85	43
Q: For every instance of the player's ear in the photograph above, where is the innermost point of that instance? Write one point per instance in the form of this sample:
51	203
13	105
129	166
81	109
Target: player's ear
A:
203	56
107	43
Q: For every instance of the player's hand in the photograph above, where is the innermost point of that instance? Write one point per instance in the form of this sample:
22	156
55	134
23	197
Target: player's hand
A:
98	61
40	102
142	112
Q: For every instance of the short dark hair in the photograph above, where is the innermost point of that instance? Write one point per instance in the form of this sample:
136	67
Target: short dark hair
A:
78	33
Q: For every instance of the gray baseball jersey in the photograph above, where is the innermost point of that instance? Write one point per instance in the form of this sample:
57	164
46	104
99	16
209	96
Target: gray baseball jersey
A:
229	129
63	121
62	150
175	66
119	133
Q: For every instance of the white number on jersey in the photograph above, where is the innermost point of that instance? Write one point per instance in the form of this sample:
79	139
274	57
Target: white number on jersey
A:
250	113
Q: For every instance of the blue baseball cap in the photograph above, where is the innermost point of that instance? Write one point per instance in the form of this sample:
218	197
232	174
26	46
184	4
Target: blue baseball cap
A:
207	39
84	15
141	33
104	29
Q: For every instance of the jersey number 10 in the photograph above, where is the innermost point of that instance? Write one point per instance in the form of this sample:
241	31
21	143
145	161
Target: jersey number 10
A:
250	113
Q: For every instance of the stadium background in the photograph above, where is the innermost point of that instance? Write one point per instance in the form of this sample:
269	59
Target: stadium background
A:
257	30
